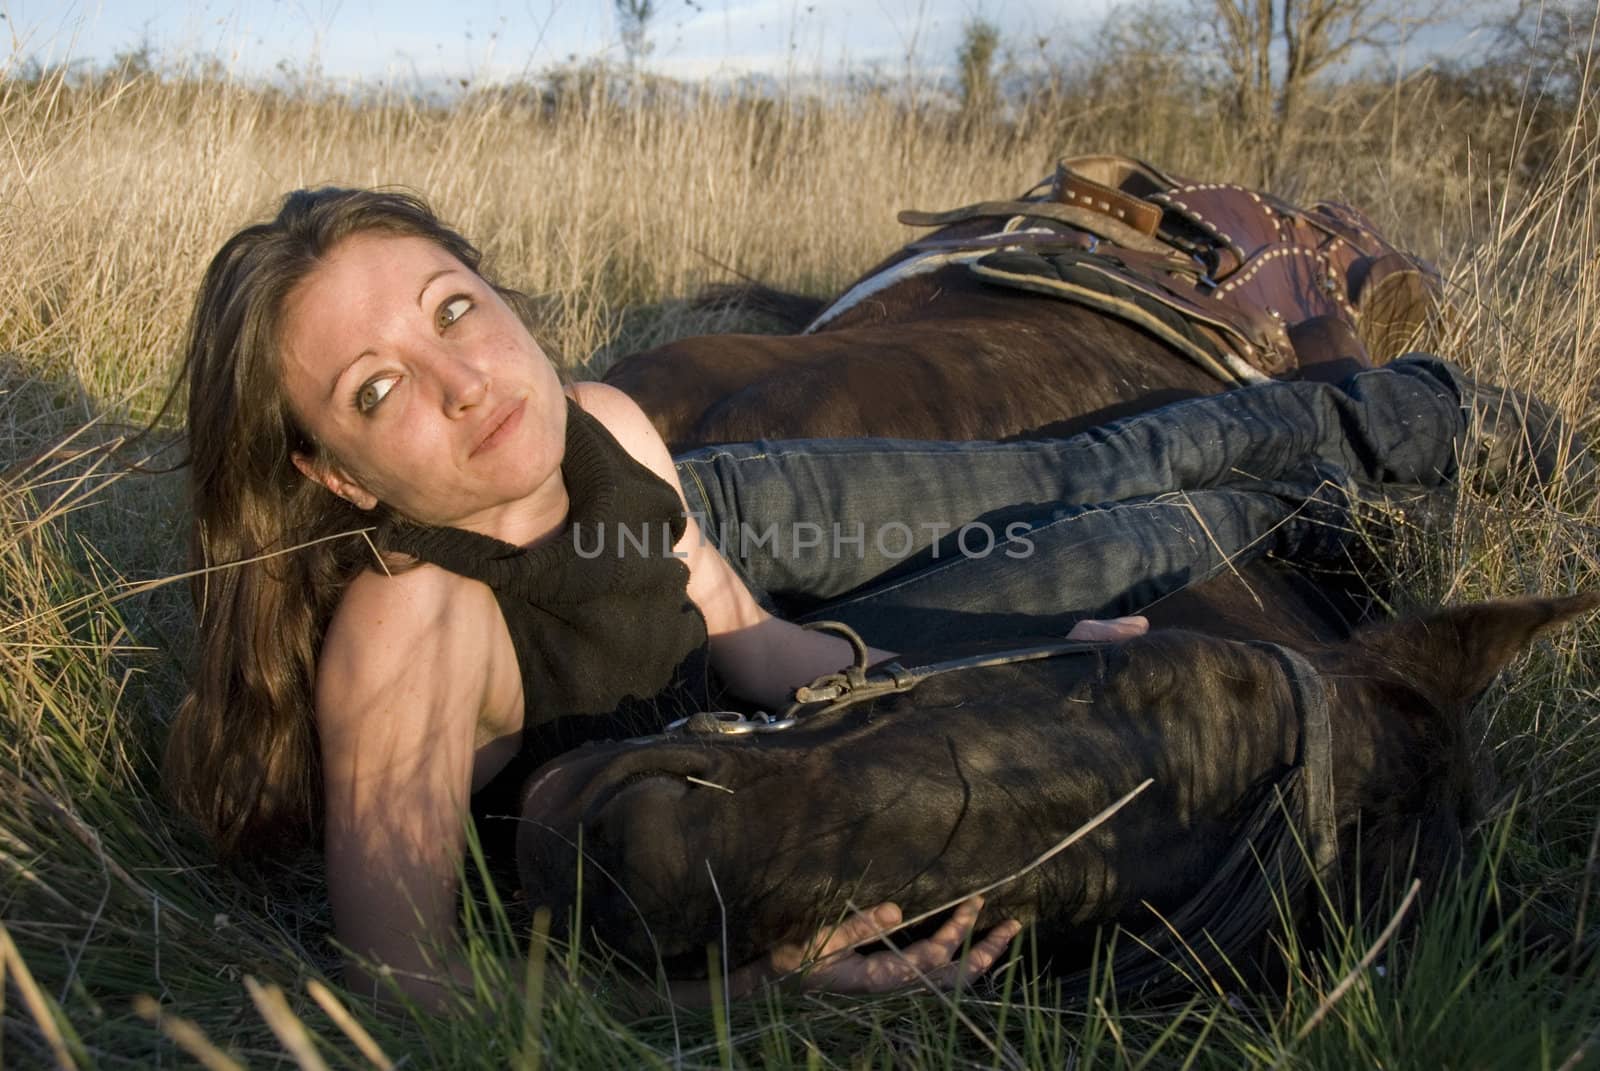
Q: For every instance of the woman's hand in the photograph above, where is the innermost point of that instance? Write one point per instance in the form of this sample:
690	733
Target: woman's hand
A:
1111	630
834	965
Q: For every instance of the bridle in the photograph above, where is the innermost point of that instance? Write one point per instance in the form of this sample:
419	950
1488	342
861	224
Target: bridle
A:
1314	758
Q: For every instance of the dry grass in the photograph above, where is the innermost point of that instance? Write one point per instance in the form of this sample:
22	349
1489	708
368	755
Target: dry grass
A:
111	198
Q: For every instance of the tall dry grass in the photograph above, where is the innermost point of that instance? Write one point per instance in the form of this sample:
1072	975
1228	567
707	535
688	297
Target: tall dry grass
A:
112	196
115	194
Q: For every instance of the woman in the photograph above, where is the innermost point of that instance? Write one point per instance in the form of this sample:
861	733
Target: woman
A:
350	370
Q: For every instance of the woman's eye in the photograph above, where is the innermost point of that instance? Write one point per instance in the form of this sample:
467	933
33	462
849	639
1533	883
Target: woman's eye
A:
453	309
372	392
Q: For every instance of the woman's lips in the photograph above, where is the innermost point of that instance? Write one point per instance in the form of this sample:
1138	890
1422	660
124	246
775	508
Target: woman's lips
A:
501	426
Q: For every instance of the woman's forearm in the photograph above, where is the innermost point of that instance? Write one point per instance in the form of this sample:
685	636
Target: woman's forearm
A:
767	660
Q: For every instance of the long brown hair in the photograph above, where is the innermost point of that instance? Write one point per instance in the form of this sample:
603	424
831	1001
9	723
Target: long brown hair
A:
277	549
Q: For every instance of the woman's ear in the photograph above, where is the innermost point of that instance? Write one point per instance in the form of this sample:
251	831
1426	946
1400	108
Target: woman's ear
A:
334	480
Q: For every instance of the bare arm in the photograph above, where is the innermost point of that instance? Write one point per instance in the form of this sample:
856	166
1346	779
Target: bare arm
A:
401	685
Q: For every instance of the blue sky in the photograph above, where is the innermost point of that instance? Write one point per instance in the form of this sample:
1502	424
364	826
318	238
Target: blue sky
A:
490	39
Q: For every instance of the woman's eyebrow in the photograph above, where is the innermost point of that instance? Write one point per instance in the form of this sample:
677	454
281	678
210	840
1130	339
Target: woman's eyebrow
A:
333	388
429	282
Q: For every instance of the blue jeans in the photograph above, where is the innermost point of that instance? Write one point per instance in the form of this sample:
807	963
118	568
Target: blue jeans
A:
930	541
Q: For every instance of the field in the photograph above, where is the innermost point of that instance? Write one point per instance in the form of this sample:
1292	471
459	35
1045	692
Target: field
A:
613	208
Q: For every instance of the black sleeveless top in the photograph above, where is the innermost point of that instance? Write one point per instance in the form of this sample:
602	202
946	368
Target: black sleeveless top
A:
608	643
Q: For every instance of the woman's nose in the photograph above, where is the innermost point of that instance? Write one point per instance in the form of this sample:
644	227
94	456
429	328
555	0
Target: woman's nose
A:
462	384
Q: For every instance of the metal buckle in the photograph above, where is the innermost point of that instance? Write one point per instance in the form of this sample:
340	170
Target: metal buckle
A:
728	723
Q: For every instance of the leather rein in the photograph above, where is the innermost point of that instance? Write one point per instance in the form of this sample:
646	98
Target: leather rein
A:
857	684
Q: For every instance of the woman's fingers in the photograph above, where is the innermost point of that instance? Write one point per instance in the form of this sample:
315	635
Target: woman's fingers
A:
861	927
1111	630
936	959
945	945
983	955
832	943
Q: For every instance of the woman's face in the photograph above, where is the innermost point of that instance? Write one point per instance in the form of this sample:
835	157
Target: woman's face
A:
424	390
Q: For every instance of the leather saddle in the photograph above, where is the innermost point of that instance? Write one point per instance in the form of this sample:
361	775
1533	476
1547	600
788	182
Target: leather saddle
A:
1244	283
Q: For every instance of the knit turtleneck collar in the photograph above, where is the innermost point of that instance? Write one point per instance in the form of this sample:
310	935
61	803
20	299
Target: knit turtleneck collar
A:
600	615
545	572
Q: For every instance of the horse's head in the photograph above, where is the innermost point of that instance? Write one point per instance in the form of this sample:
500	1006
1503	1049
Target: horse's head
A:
1403	692
753	840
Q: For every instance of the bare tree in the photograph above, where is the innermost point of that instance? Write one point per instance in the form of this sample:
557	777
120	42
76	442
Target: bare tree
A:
1554	44
633	21
980	42
1273	49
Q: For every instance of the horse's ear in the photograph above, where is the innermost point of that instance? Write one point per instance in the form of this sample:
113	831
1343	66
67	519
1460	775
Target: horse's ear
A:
1455	653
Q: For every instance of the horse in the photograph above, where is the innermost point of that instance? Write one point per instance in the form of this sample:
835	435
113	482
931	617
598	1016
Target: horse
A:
1268	778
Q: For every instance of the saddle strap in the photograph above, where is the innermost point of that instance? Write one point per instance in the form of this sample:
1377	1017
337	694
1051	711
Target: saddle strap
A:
1084	219
1218	339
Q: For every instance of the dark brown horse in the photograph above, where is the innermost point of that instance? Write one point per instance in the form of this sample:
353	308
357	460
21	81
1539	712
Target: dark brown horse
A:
1040	316
1277	775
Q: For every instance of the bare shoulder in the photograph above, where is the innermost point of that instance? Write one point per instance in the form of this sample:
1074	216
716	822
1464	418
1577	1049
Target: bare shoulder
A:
419	630
627	423
407	605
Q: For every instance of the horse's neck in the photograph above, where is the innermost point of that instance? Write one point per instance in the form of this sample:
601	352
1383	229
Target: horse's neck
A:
1262	601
